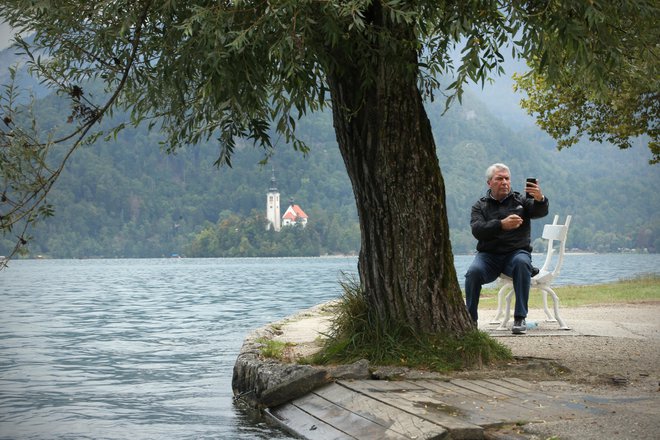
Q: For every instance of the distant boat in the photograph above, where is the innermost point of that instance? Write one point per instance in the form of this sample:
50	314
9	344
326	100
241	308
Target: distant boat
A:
175	256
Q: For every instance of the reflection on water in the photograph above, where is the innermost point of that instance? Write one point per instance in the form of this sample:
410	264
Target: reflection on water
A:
145	349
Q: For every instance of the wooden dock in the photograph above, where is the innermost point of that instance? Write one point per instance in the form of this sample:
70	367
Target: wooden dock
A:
426	409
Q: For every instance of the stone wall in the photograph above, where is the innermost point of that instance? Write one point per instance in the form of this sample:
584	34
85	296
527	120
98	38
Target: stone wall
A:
263	382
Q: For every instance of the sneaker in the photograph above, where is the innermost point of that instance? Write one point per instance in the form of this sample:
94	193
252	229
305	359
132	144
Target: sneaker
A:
519	327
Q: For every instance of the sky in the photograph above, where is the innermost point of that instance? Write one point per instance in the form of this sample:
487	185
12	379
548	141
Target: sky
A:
5	35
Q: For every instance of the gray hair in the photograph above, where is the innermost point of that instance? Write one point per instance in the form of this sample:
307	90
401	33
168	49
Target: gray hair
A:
494	168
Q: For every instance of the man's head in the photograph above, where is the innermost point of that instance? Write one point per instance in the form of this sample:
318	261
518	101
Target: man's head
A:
498	178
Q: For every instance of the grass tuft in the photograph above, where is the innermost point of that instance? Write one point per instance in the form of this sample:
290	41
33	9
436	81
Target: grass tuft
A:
356	333
273	349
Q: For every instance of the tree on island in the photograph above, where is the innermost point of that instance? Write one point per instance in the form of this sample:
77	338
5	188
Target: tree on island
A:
248	70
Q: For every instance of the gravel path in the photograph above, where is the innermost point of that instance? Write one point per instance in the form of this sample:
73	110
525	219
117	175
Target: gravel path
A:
607	345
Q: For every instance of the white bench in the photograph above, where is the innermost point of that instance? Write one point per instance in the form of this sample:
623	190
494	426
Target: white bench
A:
554	233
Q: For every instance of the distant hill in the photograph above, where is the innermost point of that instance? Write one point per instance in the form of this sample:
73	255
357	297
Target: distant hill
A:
11	57
127	198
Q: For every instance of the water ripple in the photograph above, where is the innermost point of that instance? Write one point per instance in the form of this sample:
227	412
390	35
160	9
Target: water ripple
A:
141	348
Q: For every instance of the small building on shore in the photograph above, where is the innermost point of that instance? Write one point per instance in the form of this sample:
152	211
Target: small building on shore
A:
294	215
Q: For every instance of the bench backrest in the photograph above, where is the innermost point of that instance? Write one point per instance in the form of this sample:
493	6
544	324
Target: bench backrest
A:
555	233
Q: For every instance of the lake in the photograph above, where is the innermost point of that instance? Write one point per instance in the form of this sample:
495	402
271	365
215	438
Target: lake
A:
144	349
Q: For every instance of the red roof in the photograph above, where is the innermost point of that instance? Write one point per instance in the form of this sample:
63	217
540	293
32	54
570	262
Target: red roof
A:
294	212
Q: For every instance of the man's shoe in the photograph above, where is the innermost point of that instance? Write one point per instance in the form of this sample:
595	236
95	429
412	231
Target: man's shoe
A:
519	327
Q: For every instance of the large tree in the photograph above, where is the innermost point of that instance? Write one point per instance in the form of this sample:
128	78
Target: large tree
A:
248	69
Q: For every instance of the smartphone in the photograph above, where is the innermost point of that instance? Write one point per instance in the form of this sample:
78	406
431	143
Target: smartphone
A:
531	180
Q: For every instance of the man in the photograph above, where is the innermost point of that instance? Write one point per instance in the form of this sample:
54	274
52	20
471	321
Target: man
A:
501	221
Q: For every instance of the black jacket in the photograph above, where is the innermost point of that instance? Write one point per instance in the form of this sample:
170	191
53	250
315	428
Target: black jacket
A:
486	226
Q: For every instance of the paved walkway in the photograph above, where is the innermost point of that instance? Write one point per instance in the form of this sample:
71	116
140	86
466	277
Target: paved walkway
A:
502	408
639	321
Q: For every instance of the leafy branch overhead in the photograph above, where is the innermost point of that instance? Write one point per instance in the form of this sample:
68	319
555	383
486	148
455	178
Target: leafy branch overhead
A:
245	65
618	99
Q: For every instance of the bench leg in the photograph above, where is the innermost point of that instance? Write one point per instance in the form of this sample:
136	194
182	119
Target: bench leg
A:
507	314
500	304
555	300
548	316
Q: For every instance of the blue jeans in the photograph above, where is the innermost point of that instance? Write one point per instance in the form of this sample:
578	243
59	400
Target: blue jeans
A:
487	267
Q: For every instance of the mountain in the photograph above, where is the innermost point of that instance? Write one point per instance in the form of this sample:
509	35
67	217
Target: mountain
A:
128	198
12	57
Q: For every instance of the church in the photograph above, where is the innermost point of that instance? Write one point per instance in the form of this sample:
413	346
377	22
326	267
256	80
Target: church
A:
292	216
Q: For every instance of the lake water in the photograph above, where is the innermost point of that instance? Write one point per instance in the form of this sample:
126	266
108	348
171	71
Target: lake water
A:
144	349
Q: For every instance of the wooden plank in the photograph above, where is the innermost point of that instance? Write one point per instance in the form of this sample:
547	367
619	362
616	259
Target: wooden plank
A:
543	405
392	386
405	423
497	388
549	405
478	389
420	401
504	404
448	389
519	386
478	407
515	384
352	424
304	425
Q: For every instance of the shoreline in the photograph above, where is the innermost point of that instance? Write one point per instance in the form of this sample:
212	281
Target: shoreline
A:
328	256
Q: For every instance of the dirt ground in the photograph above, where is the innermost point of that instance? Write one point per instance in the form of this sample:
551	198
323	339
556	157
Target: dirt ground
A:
610	345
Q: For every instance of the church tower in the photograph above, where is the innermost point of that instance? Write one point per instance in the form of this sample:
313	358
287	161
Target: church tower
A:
273	205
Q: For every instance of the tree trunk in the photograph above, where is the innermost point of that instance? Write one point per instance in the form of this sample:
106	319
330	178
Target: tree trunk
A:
406	264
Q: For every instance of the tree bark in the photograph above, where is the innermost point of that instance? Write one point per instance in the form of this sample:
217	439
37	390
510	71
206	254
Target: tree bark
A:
406	264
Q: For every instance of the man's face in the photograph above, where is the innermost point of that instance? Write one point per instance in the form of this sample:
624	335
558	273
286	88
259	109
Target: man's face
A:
500	184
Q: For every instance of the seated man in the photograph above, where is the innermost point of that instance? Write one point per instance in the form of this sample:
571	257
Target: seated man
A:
501	222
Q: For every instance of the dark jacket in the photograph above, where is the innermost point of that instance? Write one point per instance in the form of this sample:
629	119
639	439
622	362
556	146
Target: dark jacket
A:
486	226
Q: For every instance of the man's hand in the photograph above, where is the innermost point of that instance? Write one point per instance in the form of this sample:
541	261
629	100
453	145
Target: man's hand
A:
534	190
511	222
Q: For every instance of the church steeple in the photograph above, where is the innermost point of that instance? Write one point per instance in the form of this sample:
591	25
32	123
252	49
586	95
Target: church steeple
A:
273	182
273	205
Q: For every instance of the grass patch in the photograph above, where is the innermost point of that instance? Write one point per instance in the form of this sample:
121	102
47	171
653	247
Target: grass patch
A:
356	333
642	288
273	349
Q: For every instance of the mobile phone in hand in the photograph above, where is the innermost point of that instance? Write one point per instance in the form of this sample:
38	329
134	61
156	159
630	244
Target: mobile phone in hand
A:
530	180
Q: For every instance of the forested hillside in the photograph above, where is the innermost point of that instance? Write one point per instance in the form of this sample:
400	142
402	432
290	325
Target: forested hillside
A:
127	198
